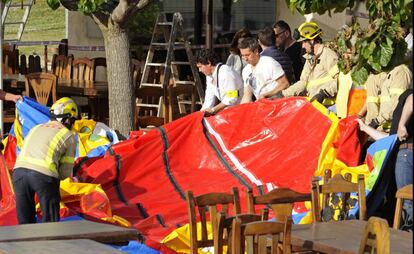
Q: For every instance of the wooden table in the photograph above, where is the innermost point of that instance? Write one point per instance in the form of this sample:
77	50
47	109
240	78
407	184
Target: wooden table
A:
81	229
82	88
78	246
95	91
344	237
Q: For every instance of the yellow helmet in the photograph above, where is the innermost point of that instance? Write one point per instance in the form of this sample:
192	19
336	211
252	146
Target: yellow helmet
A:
63	108
309	31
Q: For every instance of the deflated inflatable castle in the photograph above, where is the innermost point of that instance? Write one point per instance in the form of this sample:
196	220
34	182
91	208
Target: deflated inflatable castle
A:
141	182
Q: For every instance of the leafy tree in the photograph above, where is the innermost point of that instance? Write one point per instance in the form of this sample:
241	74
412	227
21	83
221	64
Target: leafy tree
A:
113	18
379	47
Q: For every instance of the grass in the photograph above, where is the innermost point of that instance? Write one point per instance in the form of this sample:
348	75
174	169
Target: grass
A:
44	24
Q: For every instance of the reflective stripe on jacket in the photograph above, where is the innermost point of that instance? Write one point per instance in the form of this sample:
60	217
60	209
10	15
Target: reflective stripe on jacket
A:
49	149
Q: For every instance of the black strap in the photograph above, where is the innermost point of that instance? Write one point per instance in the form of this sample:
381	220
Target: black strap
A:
218	86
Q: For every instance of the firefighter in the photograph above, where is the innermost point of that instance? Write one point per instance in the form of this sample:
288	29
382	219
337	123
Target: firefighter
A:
383	91
319	76
47	156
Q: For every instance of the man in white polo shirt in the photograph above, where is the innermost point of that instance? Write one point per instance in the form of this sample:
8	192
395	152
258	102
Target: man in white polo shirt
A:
222	82
263	77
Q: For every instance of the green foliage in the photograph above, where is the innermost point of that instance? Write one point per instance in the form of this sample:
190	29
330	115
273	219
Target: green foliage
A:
141	26
318	6
53	4
378	48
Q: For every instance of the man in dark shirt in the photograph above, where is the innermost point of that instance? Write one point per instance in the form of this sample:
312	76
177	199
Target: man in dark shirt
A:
266	38
292	48
402	125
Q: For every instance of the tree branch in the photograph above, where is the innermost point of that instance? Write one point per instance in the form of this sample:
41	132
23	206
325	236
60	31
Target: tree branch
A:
126	8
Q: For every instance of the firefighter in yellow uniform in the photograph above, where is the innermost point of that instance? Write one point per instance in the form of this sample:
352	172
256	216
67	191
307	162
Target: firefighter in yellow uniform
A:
47	156
319	76
383	91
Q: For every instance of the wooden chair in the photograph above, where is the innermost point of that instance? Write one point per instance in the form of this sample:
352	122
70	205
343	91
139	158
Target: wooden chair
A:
336	196
208	204
180	97
23	65
43	84
405	193
254	237
149	106
10	61
280	200
34	64
222	236
62	66
148	122
99	63
82	69
376	237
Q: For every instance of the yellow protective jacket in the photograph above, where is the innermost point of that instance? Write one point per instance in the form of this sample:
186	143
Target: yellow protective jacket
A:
49	148
316	75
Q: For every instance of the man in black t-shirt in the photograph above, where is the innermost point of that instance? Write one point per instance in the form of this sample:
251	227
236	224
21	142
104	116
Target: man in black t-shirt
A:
291	47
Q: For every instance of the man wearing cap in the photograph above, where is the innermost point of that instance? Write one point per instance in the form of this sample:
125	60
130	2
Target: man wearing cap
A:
319	76
47	156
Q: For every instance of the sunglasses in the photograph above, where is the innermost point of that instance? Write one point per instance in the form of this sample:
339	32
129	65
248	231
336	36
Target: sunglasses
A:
279	33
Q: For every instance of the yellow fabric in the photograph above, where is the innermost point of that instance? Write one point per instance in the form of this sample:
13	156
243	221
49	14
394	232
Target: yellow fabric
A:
71	192
373	99
179	239
232	94
344	88
87	140
18	131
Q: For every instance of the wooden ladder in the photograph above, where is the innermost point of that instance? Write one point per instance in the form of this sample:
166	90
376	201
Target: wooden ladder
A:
170	36
11	23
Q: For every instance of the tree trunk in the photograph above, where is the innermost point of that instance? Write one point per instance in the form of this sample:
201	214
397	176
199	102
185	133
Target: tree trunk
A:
121	92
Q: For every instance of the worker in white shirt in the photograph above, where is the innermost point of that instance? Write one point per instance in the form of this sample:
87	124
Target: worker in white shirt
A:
223	84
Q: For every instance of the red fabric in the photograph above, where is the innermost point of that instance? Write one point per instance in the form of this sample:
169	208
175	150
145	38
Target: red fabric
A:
8	200
276	143
10	152
347	144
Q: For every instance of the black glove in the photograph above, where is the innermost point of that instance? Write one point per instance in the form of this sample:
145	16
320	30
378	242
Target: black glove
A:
323	94
374	123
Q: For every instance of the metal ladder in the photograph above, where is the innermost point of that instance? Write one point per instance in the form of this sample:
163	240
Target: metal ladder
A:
170	36
21	23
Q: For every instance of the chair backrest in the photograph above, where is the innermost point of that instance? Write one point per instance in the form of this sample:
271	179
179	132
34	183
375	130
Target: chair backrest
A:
82	69
222	236
405	193
10	61
34	64
148	102
376	237
182	97
148	122
99	71
280	200
208	204
61	66
23	64
336	194
254	237
43	84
